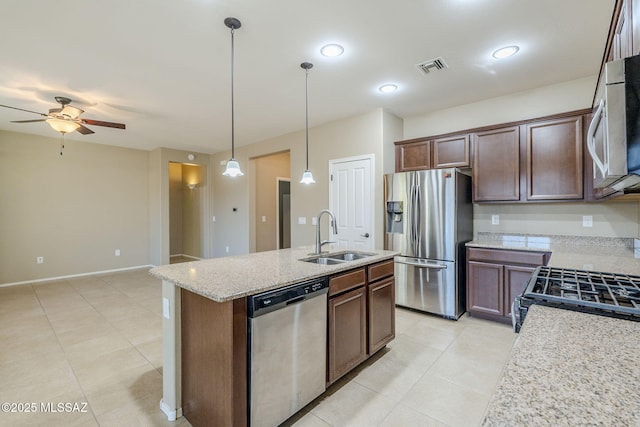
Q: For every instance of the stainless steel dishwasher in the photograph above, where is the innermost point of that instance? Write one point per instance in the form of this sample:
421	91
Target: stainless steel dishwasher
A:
287	350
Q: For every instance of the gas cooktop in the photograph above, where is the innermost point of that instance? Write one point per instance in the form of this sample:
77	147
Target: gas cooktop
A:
607	294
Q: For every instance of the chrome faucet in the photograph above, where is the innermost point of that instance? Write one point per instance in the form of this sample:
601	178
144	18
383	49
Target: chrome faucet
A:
319	243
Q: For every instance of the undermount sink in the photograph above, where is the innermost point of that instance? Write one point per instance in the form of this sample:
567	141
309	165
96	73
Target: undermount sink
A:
336	258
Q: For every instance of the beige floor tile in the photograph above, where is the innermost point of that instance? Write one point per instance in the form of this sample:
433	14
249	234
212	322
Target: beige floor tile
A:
308	420
85	331
25	328
139	383
42	344
354	405
140	412
411	352
94	371
152	351
389	377
403	416
478	373
25	378
434	333
444	401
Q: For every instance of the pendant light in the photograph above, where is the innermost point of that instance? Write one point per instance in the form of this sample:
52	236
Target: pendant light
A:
307	177
233	167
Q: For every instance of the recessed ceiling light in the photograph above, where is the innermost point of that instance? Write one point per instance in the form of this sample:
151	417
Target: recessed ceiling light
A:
332	50
505	52
388	88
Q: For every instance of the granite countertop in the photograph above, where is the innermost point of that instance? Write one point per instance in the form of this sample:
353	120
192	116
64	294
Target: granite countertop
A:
228	278
613	255
570	369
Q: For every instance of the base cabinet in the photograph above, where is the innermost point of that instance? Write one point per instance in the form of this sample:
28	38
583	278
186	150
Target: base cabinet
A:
361	316
496	276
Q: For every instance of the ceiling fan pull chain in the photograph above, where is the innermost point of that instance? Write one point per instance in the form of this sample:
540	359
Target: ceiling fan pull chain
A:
62	144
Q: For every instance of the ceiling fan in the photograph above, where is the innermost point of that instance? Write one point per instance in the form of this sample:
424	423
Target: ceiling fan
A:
66	118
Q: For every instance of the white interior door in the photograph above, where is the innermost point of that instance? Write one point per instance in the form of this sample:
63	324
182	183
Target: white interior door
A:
351	194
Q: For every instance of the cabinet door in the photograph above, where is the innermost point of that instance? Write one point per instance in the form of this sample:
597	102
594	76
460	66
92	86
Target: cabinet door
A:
622	38
347	332
496	165
515	280
555	160
451	152
413	156
381	306
485	288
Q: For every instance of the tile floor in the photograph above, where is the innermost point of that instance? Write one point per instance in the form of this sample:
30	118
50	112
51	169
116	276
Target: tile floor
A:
97	340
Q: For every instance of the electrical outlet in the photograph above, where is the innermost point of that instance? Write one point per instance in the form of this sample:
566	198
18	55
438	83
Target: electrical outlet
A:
40	260
165	308
117	252
264	218
226	248
302	220
587	221
314	220
495	219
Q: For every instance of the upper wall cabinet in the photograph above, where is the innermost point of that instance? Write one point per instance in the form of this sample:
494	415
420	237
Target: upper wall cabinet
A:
623	36
427	153
554	159
496	165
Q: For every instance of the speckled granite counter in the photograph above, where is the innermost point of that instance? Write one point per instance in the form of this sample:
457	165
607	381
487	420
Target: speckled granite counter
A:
228	278
570	369
615	255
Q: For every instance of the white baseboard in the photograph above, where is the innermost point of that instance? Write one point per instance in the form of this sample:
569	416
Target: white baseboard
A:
172	414
93	273
186	256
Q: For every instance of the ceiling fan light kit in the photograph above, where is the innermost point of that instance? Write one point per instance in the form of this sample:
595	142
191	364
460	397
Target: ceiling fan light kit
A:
233	167
307	176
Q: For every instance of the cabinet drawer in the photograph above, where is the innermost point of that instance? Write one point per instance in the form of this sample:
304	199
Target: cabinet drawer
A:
507	256
344	282
380	270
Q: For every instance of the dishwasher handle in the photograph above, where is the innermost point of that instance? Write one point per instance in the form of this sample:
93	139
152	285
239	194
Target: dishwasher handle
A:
264	303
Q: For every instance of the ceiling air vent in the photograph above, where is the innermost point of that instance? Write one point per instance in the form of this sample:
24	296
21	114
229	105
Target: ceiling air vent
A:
432	65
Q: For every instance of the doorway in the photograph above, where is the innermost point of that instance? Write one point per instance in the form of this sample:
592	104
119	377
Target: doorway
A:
186	226
283	213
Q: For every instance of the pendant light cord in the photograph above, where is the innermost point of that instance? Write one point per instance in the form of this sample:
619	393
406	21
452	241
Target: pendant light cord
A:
306	92
233	156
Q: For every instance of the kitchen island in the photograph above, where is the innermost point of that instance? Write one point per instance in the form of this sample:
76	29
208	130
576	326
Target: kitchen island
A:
570	369
211	296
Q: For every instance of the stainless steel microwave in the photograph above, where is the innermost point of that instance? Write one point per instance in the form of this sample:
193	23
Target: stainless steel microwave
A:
613	138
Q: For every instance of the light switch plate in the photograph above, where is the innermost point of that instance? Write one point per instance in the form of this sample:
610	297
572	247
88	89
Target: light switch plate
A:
495	219
587	221
302	220
314	220
264	218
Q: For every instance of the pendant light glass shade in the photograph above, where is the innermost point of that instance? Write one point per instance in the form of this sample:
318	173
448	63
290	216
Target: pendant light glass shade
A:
233	167
307	176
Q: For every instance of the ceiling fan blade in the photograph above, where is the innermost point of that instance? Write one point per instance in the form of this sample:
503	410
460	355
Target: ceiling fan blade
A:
105	124
84	130
28	121
22	109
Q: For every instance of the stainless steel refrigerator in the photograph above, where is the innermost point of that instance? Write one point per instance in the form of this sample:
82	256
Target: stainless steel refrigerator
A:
429	218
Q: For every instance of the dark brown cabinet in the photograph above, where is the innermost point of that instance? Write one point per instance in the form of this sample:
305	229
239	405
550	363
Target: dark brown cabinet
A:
496	165
361	316
495	277
347	332
555	160
433	153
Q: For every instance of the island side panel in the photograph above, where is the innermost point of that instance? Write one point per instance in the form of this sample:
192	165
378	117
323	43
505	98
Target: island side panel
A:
171	403
214	361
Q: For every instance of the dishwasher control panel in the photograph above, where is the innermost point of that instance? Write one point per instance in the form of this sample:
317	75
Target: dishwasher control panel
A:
273	300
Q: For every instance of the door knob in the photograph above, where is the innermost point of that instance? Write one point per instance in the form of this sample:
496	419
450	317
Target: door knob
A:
365	235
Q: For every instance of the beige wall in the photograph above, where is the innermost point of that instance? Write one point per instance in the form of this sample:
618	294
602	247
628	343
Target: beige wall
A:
74	210
359	135
193	238
267	170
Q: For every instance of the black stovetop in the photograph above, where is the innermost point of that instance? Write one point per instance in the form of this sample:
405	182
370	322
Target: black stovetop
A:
592	291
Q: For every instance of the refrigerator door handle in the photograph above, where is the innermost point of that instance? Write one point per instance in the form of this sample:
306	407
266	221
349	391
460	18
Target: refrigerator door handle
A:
423	265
